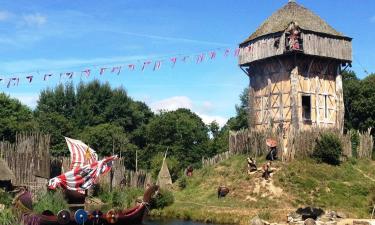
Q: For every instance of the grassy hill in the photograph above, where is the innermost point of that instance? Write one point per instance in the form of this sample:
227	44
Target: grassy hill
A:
344	188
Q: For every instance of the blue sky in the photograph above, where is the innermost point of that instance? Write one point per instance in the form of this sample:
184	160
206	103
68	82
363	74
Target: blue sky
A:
63	36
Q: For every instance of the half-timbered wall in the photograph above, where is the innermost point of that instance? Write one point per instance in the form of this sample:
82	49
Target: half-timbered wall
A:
277	87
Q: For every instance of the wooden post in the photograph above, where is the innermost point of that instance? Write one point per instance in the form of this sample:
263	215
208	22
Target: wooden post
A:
111	172
294	97
136	161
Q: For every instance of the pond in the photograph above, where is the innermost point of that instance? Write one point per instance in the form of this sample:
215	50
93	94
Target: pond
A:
149	221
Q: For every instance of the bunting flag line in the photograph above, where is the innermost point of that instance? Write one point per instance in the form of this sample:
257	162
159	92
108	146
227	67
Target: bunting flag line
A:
200	58
116	69
212	55
227	51
173	60
131	66
69	75
157	65
185	58
236	52
86	72
139	65
30	78
46	76
145	64
102	70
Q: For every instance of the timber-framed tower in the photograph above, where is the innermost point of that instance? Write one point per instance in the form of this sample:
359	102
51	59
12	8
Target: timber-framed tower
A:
294	61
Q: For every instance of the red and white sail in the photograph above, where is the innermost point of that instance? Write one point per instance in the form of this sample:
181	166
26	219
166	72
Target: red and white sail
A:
82	178
80	153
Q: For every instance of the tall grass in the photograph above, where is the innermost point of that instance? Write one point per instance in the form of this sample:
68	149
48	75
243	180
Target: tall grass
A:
119	197
8	218
50	200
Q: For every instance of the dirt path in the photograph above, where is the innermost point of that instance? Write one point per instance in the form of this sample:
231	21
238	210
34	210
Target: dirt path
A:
364	174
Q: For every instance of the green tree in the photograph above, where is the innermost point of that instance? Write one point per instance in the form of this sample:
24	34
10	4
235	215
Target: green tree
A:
240	121
182	132
14	117
359	100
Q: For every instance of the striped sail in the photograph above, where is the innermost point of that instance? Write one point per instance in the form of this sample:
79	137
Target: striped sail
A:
80	153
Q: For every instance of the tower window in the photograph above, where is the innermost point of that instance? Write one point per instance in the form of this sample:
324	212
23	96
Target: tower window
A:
306	107
325	106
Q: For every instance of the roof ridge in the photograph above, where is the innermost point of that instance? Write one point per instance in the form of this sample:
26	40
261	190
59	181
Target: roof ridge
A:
293	12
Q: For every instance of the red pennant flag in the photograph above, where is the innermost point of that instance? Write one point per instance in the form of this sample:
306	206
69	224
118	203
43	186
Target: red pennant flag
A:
227	51
212	55
116	69
236	52
200	58
131	66
102	70
30	78
46	76
173	60
145	64
157	65
86	72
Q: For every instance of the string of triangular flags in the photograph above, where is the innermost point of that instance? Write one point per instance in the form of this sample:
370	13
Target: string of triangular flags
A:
149	64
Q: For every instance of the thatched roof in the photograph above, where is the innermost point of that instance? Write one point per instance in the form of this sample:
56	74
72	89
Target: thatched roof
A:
293	12
164	178
5	172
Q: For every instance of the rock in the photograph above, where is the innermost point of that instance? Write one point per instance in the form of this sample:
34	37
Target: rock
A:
361	222
256	221
2	207
310	221
341	215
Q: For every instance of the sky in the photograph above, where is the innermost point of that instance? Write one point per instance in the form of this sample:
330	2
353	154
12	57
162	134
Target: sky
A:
40	37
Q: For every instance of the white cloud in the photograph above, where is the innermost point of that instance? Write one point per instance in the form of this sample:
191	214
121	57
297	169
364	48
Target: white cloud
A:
29	99
172	103
207	119
5	15
35	19
201	109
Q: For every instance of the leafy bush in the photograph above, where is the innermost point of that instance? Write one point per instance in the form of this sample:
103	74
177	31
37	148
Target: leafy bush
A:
328	149
8	218
182	182
371	199
5	198
50	200
163	199
119	198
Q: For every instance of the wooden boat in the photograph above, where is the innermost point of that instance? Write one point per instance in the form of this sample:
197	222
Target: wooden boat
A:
74	197
117	217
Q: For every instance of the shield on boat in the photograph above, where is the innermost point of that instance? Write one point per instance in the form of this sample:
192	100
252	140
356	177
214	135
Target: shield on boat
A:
271	142
63	217
111	216
80	216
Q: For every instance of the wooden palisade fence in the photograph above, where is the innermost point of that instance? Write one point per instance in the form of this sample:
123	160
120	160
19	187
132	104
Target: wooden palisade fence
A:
295	145
28	159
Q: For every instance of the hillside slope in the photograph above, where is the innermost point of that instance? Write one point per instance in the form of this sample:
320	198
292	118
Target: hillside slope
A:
344	188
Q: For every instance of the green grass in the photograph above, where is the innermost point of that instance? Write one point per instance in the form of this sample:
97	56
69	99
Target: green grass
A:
119	198
304	183
50	200
341	188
